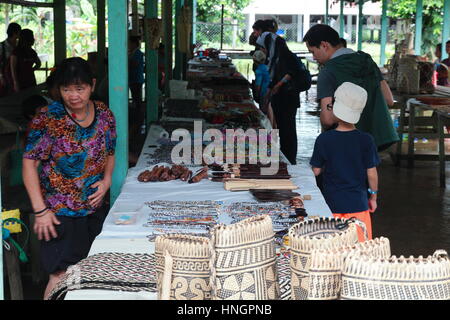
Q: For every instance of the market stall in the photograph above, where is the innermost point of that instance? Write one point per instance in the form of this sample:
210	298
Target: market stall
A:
157	199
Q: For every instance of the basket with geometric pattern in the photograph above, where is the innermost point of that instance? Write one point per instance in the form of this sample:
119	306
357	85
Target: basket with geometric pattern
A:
369	278
314	234
325	271
243	260
182	267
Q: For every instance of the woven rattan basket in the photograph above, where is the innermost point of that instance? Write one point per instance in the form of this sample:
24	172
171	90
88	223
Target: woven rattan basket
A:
368	278
243	260
182	266
309	235
325	271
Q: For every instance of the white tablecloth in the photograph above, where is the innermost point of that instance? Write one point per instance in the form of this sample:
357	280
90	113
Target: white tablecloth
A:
132	238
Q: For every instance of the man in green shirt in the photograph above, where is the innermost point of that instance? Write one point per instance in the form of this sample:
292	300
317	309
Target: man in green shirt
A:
343	64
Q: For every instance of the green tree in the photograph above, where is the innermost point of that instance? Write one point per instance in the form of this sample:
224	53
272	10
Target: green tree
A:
432	19
210	11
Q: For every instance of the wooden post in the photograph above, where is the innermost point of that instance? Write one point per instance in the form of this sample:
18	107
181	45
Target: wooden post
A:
151	68
194	21
178	54
326	12
445	28
59	11
341	19
166	7
384	31
118	87
360	23
221	28
101	40
14	277
419	19
1	237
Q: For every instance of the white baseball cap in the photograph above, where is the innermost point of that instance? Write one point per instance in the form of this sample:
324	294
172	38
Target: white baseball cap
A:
349	101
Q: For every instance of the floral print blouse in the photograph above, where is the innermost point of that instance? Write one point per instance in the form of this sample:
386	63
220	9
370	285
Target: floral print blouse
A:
72	157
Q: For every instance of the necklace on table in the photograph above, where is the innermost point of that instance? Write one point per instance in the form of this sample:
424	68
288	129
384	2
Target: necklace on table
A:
74	116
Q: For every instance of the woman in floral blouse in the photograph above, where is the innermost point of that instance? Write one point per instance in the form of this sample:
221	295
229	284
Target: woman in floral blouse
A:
74	141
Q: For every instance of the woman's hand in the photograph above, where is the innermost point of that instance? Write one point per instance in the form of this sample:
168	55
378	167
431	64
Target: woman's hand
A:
102	187
44	226
16	86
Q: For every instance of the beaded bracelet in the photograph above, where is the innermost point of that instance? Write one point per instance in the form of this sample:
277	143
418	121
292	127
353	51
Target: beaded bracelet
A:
46	208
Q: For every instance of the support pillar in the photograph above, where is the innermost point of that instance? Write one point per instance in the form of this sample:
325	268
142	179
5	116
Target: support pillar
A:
306	22
350	27
326	12
151	69
59	13
419	19
341	19
118	87
178	54
101	39
300	29
445	28
360	24
167	38
384	32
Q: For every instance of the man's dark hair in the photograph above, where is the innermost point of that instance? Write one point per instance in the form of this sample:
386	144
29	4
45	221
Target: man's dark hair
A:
343	42
321	32
13	28
135	40
260	25
448	41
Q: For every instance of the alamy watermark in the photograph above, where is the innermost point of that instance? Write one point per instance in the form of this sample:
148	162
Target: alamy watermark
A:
234	143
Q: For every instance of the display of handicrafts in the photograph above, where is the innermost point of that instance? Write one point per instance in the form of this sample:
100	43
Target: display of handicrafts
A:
182	267
243	261
396	278
182	216
325	270
311	234
109	271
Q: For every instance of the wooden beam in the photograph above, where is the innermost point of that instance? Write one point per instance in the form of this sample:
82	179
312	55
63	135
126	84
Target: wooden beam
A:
28	3
419	19
151	69
118	87
326	11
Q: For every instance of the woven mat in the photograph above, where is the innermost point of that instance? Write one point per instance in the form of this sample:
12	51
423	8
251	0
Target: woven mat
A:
109	271
133	273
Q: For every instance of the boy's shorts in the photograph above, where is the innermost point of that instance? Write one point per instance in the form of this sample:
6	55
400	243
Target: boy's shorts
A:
363	216
74	240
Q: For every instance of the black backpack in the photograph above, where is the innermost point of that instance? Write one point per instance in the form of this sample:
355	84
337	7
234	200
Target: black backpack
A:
303	81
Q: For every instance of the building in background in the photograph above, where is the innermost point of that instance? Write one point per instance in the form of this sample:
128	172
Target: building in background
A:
295	17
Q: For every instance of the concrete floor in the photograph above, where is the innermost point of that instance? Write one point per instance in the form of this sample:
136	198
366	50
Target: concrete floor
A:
413	211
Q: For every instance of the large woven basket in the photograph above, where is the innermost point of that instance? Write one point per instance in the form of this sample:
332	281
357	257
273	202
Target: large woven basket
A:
182	267
368	278
325	272
243	261
314	234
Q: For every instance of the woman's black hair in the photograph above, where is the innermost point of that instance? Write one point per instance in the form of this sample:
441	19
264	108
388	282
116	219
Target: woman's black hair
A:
260	25
321	32
26	38
30	104
73	71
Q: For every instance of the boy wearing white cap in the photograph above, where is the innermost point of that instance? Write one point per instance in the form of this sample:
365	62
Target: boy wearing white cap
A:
348	158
